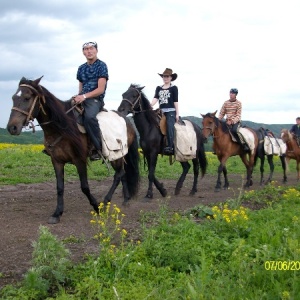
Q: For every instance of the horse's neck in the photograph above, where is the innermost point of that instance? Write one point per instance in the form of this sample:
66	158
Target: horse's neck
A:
143	125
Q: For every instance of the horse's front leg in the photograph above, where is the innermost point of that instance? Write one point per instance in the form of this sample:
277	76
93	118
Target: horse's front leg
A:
219	183
249	166
261	169
283	164
82	171
196	166
59	173
185	169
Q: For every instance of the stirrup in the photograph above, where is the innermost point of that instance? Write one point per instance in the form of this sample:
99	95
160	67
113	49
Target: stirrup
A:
104	160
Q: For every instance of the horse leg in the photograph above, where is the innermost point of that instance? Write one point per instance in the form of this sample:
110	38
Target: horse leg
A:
271	164
119	173
283	164
219	183
82	171
298	170
196	175
261	169
249	167
151	161
185	169
59	173
226	181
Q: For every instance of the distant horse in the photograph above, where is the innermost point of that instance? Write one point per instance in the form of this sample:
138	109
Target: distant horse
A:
225	148
260	153
33	101
293	150
152	140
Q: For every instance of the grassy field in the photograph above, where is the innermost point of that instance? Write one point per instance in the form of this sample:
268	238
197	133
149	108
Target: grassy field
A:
27	164
221	252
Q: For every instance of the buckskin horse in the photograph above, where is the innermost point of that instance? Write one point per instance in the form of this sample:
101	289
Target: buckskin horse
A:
152	140
225	147
292	150
68	145
261	153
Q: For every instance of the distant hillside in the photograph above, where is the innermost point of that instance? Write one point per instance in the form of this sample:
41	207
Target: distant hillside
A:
38	136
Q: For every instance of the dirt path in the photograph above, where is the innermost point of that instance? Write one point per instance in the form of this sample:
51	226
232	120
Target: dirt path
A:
23	208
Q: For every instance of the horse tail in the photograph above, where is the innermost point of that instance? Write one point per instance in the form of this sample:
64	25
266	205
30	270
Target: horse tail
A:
202	157
132	170
201	154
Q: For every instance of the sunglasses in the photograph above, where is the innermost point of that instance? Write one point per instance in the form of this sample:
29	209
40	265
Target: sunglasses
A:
89	44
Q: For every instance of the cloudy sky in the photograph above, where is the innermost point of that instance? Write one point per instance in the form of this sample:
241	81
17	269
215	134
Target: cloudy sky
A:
211	45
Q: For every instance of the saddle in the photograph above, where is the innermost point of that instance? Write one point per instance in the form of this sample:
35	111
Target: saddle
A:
162	121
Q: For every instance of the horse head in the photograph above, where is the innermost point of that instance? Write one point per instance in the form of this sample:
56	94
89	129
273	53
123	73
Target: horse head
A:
286	135
26	105
131	101
209	124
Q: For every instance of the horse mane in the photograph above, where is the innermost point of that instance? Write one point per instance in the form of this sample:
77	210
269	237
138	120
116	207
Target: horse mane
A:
150	114
64	124
217	121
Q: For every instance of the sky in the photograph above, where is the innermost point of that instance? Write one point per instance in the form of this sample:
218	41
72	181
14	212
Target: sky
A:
211	45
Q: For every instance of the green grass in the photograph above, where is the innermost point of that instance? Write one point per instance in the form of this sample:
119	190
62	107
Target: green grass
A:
27	164
231	253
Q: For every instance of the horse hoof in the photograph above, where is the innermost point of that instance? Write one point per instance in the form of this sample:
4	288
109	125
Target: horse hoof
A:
177	192
126	203
217	189
147	198
53	220
164	193
192	193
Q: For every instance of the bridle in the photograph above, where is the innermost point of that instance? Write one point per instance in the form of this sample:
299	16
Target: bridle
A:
211	131
37	98
137	101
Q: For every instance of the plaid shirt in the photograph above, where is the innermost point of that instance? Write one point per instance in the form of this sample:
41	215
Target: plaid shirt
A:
232	110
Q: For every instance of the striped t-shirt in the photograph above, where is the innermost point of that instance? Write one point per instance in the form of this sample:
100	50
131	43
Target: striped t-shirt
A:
232	110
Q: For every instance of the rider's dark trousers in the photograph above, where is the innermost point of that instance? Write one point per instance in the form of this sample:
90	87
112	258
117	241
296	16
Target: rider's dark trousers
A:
91	109
171	119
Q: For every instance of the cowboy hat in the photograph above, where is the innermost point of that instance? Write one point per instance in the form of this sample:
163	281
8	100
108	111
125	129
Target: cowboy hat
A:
168	72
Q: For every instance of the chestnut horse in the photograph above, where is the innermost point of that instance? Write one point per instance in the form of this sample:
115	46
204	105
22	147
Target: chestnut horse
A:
152	140
225	148
292	149
68	145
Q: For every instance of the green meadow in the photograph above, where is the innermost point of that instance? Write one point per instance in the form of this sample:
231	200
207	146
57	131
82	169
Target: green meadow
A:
223	251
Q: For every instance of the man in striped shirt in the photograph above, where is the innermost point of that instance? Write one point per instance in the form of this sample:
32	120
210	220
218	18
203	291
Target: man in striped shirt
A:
232	108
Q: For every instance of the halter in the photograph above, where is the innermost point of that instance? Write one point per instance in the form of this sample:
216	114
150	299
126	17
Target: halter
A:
211	131
138	100
29	114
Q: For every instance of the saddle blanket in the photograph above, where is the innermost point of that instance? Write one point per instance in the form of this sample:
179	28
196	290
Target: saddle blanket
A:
248	137
114	135
274	146
185	142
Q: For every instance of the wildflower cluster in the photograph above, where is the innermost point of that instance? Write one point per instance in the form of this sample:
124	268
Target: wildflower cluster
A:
108	225
230	215
291	194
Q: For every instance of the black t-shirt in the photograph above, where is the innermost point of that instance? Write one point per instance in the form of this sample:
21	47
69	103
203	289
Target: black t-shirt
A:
166	97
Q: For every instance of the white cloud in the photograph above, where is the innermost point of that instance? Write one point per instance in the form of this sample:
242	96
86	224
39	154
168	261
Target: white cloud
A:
213	46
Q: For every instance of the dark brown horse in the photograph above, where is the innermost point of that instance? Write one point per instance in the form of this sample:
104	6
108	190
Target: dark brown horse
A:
261	154
152	140
225	148
67	144
292	150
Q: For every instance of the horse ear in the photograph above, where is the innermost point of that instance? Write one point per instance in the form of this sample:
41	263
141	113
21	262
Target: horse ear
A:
37	81
140	88
214	113
202	115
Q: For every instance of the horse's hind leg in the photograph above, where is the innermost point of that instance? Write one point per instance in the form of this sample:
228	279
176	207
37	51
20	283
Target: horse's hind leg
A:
59	173
117	178
185	169
261	169
271	164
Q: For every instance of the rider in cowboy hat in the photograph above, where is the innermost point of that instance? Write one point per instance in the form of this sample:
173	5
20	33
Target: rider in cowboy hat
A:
167	96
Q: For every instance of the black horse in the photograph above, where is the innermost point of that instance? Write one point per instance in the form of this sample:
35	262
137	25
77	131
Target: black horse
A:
68	145
261	154
152	140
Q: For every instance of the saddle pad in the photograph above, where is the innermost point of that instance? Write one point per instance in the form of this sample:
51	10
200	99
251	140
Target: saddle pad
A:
248	136
274	146
114	135
185	141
